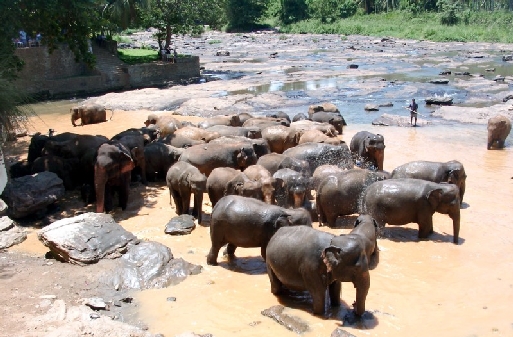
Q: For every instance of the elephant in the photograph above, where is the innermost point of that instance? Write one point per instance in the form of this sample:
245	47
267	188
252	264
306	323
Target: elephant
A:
326	106
303	258
317	154
197	133
292	188
65	169
369	149
89	114
244	116
179	141
401	201
183	179
263	122
112	172
134	141
322	172
150	133
451	172
316	136
159	158
280	137
248	132
228	181
274	162
305	125
367	228
259	145
38	142
499	128
261	175
245	222
208	156
279	114
232	120
74	147
333	118
299	117
166	124
342	193
20	169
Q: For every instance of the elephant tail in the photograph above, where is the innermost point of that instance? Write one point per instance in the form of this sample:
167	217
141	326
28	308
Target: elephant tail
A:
112	113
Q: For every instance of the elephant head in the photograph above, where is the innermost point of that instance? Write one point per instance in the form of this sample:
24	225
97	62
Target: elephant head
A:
446	200
346	261
375	149
245	157
74	115
456	175
367	228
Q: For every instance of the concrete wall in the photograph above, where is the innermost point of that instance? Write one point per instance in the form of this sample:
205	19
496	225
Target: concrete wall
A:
57	75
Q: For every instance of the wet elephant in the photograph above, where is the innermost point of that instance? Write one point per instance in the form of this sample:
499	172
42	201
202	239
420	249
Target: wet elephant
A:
342	193
232	120
292	188
333	118
74	147
368	149
316	136
304	258
89	114
197	133
263	122
183	179
134	141
280	137
305	125
259	145
499	128
225	130
65	169
207	157
274	162
451	172
167	125
322	172
38	142
260	174
112	173
179	141
317	154
159	158
402	201
224	181
244	222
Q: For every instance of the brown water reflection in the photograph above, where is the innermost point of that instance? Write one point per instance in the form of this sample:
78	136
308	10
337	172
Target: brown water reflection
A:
421	288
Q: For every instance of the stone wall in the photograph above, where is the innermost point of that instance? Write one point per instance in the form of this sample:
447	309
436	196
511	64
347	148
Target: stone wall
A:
57	75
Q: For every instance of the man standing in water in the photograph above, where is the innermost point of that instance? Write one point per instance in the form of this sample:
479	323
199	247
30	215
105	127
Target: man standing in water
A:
413	111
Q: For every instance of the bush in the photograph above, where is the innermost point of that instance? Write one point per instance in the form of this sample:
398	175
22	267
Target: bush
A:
136	56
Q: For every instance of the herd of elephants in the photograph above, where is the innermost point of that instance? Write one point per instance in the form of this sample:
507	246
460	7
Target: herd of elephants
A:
267	178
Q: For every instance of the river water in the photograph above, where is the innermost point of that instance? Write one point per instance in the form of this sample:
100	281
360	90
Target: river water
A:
422	288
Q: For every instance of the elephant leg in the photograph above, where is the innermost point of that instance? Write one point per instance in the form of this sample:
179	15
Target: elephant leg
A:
213	253
230	250
425	226
319	300
331	219
124	190
178	201
276	285
334	289
186	201
362	285
500	144
262	251
109	193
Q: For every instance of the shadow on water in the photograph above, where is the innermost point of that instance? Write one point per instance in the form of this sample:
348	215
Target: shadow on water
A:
250	265
404	234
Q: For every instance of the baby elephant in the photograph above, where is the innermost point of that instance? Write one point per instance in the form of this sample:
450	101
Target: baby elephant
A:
304	258
246	222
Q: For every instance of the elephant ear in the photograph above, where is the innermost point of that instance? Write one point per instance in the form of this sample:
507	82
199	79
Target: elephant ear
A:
282	221
434	197
234	187
331	257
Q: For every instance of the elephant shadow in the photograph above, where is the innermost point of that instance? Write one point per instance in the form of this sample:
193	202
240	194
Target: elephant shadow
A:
250	265
303	301
345	222
465	205
404	234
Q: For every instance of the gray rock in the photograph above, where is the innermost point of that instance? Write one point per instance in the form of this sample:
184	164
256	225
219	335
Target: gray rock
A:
86	238
439	81
3	208
459	73
507	58
10	234
149	265
96	303
292	323
507	98
341	333
222	53
352	66
180	225
371	107
386	105
490	69
439	100
32	194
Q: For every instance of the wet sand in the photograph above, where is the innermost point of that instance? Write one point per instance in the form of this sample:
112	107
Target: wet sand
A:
421	288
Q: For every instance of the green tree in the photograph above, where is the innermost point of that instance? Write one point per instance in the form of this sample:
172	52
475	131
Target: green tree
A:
293	11
244	14
182	17
124	13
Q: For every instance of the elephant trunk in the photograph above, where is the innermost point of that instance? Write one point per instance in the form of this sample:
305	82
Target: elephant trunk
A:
380	158
299	198
100	179
198	202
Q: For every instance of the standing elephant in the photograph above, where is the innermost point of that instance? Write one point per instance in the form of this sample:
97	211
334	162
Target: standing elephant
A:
38	142
451	172
322	172
304	258
232	120
89	114
342	193
317	154
159	158
183	179
166	124
316	136
207	157
280	137
499	128
244	222
74	147
112	172
229	131
369	148
305	125
274	162
134	141
197	133
402	201
261	175
65	169
259	145
228	181
333	118
292	188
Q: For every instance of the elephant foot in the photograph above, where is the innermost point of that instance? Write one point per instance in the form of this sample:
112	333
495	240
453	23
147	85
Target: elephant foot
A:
211	261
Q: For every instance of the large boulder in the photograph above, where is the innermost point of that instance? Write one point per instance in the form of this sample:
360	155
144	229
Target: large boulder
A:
439	100
149	265
180	225
86	238
32	194
10	233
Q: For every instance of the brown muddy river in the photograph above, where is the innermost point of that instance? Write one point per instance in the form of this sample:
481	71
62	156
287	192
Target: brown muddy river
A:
420	288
